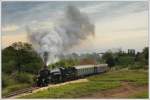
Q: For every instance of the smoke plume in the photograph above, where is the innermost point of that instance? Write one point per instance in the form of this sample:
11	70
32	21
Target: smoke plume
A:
74	27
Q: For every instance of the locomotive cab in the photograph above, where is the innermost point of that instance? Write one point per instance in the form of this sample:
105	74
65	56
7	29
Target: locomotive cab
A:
56	75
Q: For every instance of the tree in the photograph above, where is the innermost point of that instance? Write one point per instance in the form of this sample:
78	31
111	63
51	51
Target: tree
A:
109	59
20	57
145	55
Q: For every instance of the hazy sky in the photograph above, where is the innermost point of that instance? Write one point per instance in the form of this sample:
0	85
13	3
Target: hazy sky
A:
118	24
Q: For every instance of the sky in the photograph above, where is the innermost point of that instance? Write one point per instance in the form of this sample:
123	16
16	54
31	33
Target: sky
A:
118	24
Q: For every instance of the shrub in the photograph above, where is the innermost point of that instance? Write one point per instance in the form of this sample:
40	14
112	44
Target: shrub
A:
9	66
7	80
126	60
136	66
24	77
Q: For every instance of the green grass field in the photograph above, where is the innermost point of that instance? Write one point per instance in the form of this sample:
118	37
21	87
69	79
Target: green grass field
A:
96	83
140	95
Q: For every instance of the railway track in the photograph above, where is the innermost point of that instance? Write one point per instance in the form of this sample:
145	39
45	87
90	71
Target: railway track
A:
18	92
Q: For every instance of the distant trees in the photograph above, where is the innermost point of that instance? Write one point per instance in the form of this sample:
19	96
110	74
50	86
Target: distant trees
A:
109	59
130	59
76	59
143	56
145	53
64	63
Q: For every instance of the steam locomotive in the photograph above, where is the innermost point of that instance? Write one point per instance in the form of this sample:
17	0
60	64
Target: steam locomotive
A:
62	74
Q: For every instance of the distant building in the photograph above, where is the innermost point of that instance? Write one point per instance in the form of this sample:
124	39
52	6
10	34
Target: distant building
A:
131	51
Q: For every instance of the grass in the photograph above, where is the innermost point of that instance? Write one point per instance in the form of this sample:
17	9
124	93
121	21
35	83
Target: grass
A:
96	83
140	95
138	77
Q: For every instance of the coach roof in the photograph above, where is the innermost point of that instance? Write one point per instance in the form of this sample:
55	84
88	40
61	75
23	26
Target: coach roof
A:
83	66
89	66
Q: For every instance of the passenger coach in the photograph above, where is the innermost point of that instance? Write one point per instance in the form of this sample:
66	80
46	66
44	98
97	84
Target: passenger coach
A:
84	70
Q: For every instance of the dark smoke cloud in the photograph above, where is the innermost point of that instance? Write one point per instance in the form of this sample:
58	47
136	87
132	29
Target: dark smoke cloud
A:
73	27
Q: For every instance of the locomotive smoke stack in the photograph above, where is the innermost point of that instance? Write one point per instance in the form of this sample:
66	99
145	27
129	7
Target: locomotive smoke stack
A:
45	58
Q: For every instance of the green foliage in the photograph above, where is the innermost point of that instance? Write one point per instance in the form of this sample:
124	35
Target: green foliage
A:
109	58
7	80
137	65
138	77
19	64
24	77
145	53
20	57
64	63
125	60
9	66
143	56
140	95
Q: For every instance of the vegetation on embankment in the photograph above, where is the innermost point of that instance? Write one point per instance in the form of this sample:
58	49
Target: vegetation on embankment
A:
96	83
140	94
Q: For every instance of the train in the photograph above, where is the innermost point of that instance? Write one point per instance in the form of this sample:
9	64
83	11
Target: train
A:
61	74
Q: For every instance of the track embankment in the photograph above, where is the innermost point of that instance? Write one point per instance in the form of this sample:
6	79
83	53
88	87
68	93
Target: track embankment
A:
51	85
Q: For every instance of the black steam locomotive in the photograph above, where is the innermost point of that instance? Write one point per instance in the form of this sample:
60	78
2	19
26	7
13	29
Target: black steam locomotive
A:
61	74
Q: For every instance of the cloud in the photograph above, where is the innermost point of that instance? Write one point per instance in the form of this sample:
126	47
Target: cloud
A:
10	28
9	39
128	31
109	10
117	23
129	22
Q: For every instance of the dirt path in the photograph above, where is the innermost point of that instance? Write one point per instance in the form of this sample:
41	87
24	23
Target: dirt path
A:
124	91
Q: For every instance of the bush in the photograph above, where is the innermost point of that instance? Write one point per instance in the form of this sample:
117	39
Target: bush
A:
126	60
9	66
136	66
64	63
7	80
32	68
24	77
109	58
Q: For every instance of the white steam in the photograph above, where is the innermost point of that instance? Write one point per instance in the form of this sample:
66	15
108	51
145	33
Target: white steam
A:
73	28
